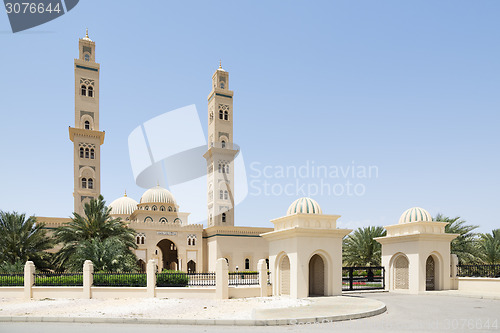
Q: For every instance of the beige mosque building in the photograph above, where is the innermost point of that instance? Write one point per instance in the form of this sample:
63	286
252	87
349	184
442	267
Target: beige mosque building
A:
303	250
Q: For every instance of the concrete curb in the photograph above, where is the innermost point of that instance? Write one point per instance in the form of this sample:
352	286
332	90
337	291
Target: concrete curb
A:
206	322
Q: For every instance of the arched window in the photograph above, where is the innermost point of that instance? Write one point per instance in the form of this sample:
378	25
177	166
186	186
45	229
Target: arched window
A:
92	153
163	220
221	194
162	208
189	241
81	152
154	208
84	90
221	114
87	151
143	239
267	263
169	208
146	208
223	144
226	114
87	124
91	91
193	241
247	263
222	85
91	183
223	217
226	195
84	182
220	168
86	57
138	240
227	168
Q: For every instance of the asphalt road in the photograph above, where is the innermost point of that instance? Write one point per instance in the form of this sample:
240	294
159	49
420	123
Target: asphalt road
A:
405	313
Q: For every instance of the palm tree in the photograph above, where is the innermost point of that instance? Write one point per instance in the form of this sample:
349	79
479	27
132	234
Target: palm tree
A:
360	249
109	255
465	246
490	247
23	239
97	224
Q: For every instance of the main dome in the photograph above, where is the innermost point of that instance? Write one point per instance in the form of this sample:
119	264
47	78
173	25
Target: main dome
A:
304	206
415	214
123	206
158	194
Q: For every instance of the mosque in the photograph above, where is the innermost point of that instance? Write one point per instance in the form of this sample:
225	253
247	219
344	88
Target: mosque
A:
303	250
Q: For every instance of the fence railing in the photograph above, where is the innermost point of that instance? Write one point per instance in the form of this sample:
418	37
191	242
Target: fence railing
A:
201	279
363	278
478	271
243	278
120	280
11	279
50	279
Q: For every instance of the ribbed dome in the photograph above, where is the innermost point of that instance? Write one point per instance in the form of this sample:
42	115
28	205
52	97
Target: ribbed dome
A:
304	206
415	214
123	206
158	194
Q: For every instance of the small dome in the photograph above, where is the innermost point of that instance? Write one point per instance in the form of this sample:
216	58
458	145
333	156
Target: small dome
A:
158	194
415	214
304	206
123	206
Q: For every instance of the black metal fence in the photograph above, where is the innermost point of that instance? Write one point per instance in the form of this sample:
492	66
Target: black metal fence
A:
51	279
120	280
479	271
243	278
201	279
363	278
12	279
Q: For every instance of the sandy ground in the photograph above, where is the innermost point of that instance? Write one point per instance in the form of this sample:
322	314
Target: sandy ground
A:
241	308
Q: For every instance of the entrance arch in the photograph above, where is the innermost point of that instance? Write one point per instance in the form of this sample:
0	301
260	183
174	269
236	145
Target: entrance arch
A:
401	273
284	284
191	266
316	276
169	257
430	273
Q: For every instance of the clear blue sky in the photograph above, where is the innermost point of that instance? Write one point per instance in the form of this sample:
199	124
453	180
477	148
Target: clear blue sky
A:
411	87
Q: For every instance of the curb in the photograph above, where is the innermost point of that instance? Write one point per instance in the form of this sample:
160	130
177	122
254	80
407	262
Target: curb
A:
206	322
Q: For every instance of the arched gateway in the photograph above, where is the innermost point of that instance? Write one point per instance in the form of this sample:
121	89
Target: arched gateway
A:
168	253
316	276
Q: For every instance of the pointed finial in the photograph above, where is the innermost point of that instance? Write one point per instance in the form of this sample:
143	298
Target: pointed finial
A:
220	63
125	193
158	183
87	33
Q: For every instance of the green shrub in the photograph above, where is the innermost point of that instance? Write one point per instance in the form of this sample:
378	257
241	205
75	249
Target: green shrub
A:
59	280
172	278
120	279
11	280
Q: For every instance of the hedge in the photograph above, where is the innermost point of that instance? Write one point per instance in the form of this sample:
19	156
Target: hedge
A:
12	280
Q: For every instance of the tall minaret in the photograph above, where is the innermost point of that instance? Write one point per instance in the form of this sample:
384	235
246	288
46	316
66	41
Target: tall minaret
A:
86	137
221	151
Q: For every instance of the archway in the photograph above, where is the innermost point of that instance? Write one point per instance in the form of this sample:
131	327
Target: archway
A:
316	276
401	273
191	266
284	285
142	265
430	274
168	254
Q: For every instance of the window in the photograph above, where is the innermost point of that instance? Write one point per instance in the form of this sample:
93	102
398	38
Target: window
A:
142	239
86	57
223	144
189	241
87	151
193	242
227	168
221	194
154	208
84	182
91	92
226	195
223	217
222	85
84	90
267	263
91	183
162	208
163	220
221	114
92	153
169	208
220	168
226	114
146	208
87	124
81	152
138	240
247	263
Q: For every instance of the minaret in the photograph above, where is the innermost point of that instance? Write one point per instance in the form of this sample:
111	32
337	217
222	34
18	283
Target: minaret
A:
86	137
221	151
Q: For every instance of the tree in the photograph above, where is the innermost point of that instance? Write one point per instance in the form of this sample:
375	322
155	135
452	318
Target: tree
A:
490	247
97	225
109	255
465	246
361	249
23	239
